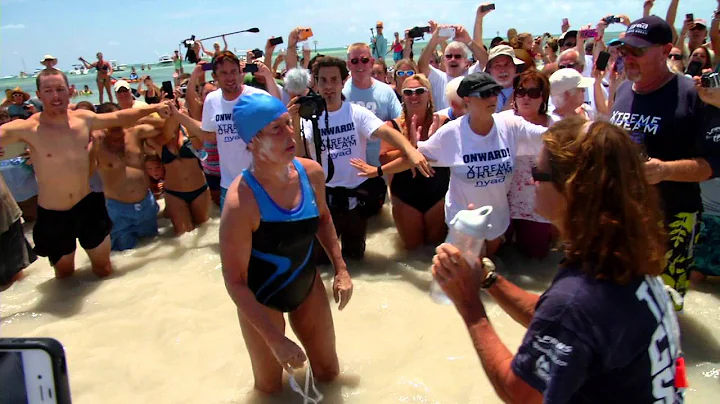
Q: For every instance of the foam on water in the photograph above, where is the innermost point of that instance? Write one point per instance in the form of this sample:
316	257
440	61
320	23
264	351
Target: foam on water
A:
162	329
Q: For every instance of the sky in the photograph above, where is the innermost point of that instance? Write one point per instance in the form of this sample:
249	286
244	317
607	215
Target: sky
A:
137	31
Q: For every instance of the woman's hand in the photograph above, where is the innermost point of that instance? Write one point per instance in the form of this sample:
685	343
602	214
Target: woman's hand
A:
435	125
342	288
366	170
288	354
458	280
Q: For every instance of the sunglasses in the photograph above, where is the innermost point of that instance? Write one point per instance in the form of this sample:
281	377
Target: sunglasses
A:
675	57
414	91
365	60
567	66
405	73
570	44
530	92
629	50
450	56
485	94
539	176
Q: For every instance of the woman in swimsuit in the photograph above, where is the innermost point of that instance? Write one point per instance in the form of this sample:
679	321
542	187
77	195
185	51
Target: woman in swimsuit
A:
104	71
216	48
187	197
274	213
152	95
417	201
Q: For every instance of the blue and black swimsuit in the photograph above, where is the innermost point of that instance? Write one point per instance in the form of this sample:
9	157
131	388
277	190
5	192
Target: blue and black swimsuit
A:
282	271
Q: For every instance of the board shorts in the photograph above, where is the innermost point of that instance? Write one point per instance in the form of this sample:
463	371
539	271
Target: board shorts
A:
707	251
55	231
17	254
683	233
132	221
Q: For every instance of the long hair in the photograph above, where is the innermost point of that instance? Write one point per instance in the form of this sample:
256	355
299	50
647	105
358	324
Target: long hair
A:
613	223
404	118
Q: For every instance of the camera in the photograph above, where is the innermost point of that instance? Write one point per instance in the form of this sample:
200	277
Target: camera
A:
311	106
189	42
710	80
418	32
612	20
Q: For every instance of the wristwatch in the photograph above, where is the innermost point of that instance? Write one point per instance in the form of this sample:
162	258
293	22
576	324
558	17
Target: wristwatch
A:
379	171
491	276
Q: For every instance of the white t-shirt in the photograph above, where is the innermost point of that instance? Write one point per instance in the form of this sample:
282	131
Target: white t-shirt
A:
348	131
217	117
481	167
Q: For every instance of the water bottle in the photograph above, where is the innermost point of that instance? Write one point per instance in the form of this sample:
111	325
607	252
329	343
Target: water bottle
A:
467	231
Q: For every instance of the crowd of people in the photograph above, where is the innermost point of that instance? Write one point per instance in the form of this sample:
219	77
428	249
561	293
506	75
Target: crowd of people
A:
607	150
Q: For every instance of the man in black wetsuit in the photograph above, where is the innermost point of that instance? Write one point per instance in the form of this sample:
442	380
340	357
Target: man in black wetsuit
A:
274	212
664	115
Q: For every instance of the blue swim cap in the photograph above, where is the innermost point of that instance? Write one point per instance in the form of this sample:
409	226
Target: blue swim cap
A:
254	112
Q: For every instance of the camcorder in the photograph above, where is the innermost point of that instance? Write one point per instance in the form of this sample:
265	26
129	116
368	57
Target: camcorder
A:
190	55
418	32
189	42
710	80
311	106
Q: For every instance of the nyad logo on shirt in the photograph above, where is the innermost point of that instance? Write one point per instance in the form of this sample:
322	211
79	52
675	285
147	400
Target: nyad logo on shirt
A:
645	124
486	174
339	145
226	127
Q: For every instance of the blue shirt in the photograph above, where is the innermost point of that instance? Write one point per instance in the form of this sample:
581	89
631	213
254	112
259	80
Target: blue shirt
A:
595	341
20	178
381	100
380	49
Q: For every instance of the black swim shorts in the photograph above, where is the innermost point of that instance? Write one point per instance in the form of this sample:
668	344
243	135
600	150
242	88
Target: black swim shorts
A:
15	251
55	231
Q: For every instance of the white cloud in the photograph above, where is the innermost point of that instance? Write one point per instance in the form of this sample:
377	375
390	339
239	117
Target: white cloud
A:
114	43
13	26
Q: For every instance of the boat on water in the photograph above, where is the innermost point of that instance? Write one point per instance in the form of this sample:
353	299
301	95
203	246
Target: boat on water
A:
165	60
37	72
116	66
22	75
8	77
79	70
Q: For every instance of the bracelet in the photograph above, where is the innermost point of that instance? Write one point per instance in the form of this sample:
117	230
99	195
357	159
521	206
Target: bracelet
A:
379	171
490	280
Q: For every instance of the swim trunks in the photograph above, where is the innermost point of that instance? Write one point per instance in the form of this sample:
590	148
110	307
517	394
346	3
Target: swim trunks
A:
55	231
282	272
132	221
683	230
707	253
15	251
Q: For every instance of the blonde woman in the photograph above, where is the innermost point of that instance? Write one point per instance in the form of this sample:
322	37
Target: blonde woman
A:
417	201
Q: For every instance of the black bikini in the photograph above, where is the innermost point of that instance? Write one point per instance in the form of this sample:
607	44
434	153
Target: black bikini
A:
421	193
281	272
167	157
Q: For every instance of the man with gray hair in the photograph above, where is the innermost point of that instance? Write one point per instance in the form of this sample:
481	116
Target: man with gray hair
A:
572	59
456	60
503	67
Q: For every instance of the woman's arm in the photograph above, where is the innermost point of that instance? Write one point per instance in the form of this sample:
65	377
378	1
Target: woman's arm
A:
225	43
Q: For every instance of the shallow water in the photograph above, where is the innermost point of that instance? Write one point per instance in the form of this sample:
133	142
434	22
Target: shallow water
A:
162	329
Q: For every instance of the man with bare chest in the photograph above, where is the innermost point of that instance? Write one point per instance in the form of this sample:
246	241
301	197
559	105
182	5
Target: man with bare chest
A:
59	141
120	162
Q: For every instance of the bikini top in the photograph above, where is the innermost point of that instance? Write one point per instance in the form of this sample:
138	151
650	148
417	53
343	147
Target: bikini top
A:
185	152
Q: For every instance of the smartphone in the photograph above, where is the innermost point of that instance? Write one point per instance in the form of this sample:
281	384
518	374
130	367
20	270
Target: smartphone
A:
167	88
612	20
306	46
13	150
694	69
447	32
276	41
588	33
250	68
566	21
305	34
487	8
710	80
602	61
33	371
690	17
207	67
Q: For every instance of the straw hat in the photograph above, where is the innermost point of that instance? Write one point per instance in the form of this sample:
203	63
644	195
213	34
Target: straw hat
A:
48	57
17	90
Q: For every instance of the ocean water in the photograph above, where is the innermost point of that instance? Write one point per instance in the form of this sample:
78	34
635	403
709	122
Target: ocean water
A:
160	73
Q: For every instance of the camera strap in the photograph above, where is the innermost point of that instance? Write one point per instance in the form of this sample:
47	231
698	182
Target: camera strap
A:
317	140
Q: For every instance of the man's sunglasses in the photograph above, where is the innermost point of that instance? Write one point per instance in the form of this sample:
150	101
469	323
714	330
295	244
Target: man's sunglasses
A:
365	60
450	56
675	56
485	94
414	91
570	44
630	50
567	66
405	73
530	92
539	176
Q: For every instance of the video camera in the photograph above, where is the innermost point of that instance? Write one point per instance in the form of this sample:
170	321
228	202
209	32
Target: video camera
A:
311	106
418	32
189	42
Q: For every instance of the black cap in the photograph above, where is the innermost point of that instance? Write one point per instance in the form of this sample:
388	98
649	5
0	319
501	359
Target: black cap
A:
648	31
477	83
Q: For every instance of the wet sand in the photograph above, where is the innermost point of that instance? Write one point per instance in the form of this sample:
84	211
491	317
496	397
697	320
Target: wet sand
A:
162	329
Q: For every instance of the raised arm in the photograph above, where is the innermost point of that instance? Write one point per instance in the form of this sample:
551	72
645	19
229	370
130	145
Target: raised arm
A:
478	34
715	34
193	126
396	139
125	117
12	132
194	105
291	54
225	48
427	53
670	17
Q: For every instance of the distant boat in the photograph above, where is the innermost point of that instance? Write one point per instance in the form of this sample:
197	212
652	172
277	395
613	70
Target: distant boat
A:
117	67
79	70
37	72
9	77
165	60
22	75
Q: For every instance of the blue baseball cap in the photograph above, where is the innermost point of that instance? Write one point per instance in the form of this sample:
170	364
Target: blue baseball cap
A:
253	112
